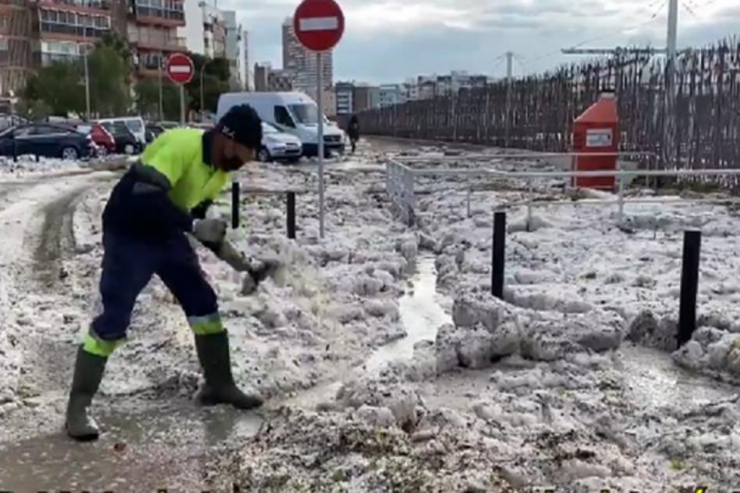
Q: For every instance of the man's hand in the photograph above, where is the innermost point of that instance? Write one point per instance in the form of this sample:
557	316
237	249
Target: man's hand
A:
210	230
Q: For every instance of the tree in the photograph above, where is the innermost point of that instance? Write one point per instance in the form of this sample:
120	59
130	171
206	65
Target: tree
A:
60	87
34	110
147	99
215	81
109	88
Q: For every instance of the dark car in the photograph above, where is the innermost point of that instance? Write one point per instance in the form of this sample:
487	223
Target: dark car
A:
47	140
126	142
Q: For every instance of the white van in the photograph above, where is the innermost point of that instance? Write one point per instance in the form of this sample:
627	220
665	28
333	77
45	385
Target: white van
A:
135	124
291	112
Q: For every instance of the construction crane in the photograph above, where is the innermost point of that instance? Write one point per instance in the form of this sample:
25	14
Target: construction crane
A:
614	51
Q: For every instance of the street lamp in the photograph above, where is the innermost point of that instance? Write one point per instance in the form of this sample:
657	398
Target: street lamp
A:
85	45
202	95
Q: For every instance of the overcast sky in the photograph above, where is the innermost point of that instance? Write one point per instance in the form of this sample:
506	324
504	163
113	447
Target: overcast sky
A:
390	40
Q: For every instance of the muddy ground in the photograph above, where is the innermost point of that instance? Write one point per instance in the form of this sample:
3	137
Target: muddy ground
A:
386	364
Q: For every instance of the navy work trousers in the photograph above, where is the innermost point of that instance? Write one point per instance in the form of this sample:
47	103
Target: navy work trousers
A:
129	264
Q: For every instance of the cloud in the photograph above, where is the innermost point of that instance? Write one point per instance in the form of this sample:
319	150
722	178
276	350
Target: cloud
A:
389	40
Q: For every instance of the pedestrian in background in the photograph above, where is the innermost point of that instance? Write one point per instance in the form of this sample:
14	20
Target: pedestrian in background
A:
353	131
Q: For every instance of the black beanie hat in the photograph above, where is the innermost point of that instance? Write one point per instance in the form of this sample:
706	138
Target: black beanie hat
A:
243	125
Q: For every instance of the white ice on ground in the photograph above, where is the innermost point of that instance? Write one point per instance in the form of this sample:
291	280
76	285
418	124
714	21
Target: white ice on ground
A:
545	389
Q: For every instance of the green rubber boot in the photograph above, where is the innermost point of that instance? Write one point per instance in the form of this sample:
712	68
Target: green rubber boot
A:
220	388
89	370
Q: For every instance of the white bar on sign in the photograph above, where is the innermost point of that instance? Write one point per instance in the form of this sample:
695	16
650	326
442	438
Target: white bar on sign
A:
319	24
180	69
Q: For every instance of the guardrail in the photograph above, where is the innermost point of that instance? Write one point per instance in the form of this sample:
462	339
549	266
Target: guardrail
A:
402	191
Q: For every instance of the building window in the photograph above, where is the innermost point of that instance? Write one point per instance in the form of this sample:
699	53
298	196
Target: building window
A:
3	44
77	24
165	9
4	23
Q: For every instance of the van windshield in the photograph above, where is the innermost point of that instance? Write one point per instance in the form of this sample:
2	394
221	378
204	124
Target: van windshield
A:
134	125
307	114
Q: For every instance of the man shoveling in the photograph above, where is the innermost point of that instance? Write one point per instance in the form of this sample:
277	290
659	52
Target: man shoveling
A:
159	200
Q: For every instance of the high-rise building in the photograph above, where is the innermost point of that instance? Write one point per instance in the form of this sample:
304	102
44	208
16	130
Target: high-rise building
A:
244	69
194	29
233	47
16	41
302	64
153	33
214	30
345	98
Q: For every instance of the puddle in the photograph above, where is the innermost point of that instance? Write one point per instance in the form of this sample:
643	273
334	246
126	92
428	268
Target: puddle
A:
169	447
654	380
421	315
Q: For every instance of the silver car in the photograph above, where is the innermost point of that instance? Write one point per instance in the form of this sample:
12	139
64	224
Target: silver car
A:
279	146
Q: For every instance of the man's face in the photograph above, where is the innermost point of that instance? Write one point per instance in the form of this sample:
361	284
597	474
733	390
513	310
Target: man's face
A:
235	155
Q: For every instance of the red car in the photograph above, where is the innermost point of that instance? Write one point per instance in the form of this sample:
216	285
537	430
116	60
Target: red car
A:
102	138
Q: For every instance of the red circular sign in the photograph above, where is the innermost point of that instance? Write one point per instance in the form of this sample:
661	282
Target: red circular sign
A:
180	68
318	24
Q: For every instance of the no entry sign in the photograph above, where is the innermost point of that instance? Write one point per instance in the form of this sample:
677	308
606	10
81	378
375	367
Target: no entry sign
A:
180	68
318	24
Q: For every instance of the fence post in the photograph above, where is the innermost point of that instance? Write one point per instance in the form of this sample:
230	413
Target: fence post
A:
291	215
499	255
689	286
235	204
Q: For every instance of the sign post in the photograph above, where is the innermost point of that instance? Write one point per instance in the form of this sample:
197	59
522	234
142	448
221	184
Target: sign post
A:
180	70
319	25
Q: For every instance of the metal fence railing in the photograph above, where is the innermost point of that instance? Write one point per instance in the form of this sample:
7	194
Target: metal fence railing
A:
402	191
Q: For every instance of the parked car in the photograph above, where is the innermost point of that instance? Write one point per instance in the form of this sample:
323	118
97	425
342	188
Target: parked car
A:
126	142
100	136
279	146
47	140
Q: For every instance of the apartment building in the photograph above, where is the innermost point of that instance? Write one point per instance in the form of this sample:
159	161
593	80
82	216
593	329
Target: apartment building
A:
232	47
16	45
302	65
153	33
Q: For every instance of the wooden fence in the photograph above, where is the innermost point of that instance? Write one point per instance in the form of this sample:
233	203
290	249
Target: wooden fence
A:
705	132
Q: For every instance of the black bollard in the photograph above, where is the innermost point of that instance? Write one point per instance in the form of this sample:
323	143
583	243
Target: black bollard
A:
291	215
689	286
235	204
15	149
499	255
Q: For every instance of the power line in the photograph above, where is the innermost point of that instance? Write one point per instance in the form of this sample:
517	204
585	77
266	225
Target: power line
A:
652	19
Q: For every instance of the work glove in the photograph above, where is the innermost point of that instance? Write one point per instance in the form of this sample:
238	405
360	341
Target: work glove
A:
210	230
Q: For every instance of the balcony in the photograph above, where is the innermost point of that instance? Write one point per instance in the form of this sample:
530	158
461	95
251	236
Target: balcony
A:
50	30
49	58
156	40
160	13
91	6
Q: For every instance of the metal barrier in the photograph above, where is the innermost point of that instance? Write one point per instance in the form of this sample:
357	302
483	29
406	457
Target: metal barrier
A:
400	187
529	176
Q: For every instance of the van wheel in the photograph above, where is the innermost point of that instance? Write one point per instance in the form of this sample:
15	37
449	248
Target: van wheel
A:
264	155
129	149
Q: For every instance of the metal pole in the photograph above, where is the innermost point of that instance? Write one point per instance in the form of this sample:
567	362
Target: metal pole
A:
235	204
499	255
689	286
202	96
161	88
291	215
182	104
509	74
669	113
87	74
320	137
